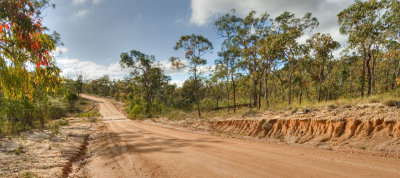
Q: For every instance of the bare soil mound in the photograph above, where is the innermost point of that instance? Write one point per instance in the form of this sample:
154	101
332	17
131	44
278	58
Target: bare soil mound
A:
371	127
377	134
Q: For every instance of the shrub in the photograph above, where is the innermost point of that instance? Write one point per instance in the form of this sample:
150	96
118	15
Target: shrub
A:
54	126
250	112
391	102
71	97
136	111
177	115
29	175
374	100
92	115
57	108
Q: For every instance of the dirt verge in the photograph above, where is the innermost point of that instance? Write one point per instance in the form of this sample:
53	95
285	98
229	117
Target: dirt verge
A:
44	154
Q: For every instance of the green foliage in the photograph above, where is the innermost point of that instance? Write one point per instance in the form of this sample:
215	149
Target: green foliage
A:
71	98
391	102
57	108
178	115
90	114
19	150
136	112
29	175
54	126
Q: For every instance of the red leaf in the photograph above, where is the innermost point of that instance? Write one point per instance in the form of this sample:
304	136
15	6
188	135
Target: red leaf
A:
38	65
7	27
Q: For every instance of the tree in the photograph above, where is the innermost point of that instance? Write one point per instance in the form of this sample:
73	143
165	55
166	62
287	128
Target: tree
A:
144	71
228	65
322	46
25	45
246	33
270	48
79	84
362	22
195	46
289	29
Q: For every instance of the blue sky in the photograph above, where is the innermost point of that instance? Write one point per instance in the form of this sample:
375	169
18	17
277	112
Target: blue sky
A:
96	32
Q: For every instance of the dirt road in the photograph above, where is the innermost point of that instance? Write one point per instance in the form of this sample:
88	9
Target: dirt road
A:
134	149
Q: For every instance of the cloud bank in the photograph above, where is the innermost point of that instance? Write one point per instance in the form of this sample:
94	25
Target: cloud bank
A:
205	11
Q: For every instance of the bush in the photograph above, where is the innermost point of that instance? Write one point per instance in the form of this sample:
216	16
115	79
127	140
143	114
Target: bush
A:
90	114
71	97
250	112
57	108
177	115
136	111
29	175
54	126
374	100
391	102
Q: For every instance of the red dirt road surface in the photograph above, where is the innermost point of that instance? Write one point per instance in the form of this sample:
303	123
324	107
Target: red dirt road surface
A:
135	149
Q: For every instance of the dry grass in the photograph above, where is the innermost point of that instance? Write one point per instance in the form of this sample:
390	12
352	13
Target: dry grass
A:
387	99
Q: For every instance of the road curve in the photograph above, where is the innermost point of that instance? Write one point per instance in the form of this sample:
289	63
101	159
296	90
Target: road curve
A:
134	149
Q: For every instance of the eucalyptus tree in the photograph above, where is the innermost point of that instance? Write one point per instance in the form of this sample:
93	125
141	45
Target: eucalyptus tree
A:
362	22
289	29
321	46
269	51
25	47
145	72
392	44
246	32
228	65
195	47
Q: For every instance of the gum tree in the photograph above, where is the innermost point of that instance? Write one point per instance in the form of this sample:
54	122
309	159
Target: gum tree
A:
321	46
362	22
195	47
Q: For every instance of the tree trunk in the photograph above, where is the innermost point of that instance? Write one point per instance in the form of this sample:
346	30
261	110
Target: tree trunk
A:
234	94
301	93
321	78
373	88
197	93
259	92
397	73
290	87
266	87
227	90
255	83
363	74
369	74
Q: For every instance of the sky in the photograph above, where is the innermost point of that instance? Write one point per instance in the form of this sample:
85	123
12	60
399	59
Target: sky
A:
96	32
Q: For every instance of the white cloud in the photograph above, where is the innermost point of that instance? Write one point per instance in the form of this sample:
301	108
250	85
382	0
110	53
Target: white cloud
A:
78	2
205	11
81	13
61	49
95	2
178	83
166	66
90	70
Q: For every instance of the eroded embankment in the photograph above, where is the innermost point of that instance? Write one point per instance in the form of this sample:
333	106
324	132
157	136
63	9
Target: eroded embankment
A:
367	134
